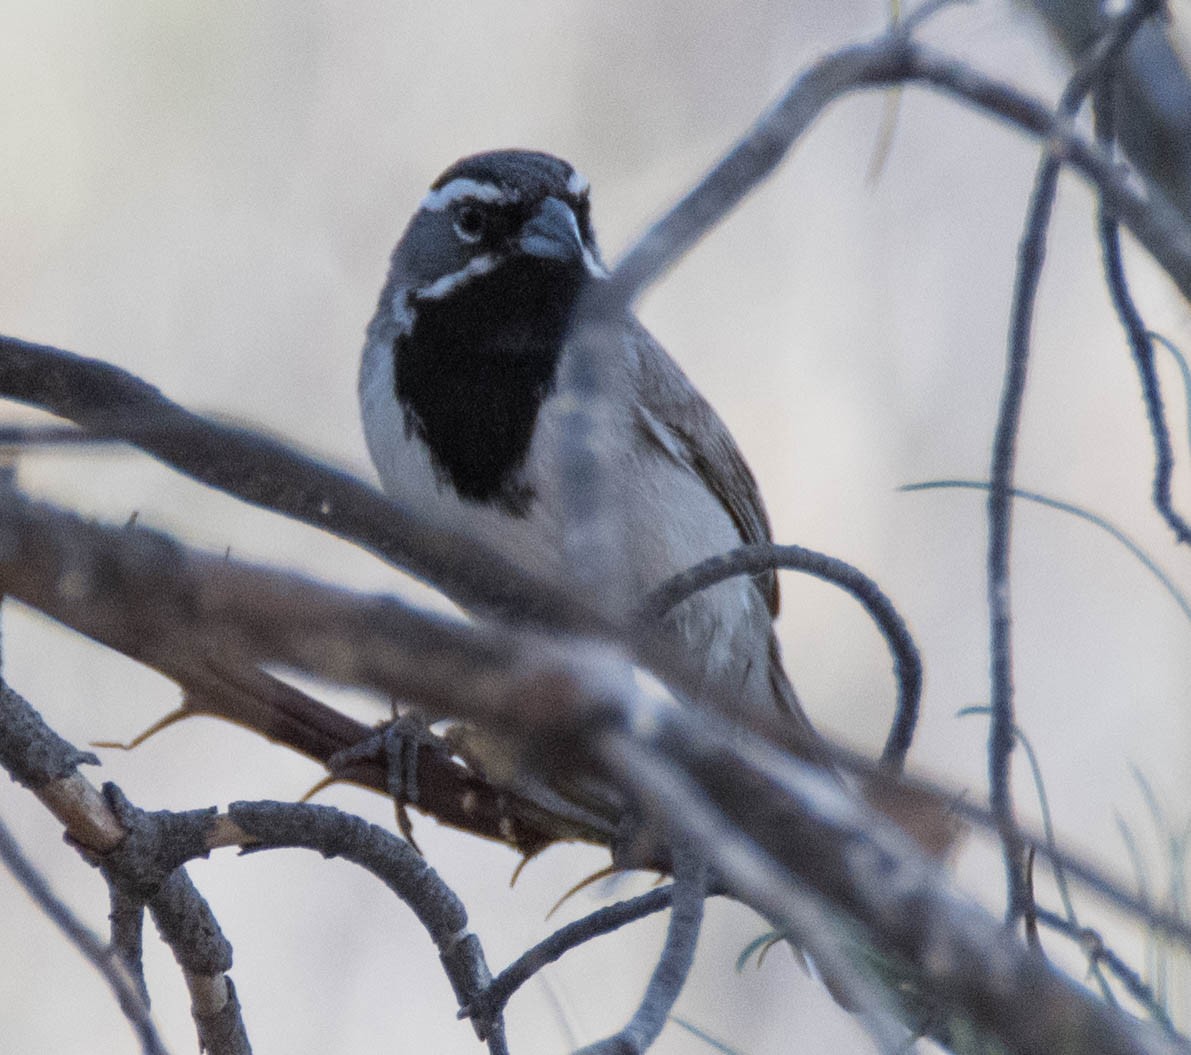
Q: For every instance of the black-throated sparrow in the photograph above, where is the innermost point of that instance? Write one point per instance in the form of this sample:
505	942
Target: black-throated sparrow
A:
463	419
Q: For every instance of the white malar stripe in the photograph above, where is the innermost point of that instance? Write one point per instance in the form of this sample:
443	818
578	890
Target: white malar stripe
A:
403	313
577	184
594	267
464	189
442	287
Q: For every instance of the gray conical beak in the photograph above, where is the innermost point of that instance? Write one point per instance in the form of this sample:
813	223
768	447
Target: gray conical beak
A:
552	233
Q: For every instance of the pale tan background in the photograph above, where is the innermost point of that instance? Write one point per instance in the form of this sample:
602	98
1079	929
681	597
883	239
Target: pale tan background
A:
206	194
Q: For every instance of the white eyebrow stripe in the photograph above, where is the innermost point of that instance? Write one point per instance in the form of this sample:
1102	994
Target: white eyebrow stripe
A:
441	287
459	189
577	184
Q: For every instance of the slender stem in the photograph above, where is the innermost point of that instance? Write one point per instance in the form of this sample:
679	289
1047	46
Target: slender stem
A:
1031	255
123	984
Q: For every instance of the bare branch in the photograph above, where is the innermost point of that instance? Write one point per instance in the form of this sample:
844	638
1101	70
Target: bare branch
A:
893	58
113	403
782	835
1031	254
750	560
38	758
186	924
146	867
128	931
788	831
673	967
603	921
129	992
334	833
527	689
1138	335
1155	96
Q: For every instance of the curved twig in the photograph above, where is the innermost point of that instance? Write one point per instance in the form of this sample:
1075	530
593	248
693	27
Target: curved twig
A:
673	966
894	58
761	557
603	921
334	833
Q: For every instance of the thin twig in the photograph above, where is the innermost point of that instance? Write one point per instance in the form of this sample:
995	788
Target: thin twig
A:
1093	946
703	1035
127	930
128	993
752	560
1031	252
892	59
1000	740
1077	511
1048	832
603	921
674	964
1184	373
334	833
1140	342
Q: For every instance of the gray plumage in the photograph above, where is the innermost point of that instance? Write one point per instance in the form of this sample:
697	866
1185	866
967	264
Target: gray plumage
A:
464	420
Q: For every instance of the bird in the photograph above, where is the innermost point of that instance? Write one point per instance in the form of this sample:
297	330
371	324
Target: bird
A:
464	416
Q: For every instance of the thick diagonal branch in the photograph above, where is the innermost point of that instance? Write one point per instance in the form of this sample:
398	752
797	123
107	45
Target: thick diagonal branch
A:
565	708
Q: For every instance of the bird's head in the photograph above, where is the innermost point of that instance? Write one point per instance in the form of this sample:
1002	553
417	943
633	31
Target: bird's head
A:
504	233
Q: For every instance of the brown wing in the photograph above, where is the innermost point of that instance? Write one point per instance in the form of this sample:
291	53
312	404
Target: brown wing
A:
694	435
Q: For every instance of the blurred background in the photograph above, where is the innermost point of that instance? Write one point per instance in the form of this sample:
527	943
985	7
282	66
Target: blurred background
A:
206	195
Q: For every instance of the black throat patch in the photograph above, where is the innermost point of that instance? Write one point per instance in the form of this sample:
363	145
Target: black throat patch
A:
474	369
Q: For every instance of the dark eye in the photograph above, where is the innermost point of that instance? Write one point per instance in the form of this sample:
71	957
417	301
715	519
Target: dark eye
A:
469	223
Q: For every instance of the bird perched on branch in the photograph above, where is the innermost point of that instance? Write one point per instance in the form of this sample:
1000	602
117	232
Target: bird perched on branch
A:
464	412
